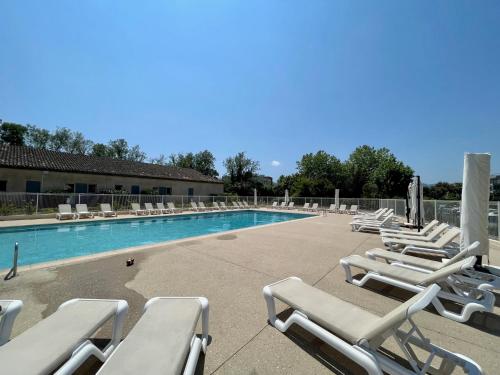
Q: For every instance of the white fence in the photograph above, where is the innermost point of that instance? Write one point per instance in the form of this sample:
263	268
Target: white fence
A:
44	203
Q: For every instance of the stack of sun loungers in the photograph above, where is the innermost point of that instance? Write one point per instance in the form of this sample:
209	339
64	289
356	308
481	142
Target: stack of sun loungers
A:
383	219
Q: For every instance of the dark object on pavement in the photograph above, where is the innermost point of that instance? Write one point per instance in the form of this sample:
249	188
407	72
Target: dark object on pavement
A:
130	262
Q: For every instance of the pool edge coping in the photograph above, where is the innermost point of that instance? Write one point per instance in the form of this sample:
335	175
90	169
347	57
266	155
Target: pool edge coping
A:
126	250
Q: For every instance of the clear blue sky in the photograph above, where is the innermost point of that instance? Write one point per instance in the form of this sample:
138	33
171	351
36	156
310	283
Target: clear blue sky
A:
274	78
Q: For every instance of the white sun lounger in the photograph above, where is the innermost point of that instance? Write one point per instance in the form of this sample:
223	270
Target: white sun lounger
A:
430	237
245	204
63	338
370	215
358	334
216	206
162	209
195	207
223	206
274	205
342	209
82	211
236	205
65	212
373	226
377	218
442	246
471	299
164	340
150	209
423	232
282	205
136	209
202	207
313	208
478	279
332	208
8	313
106	210
172	207
291	206
353	210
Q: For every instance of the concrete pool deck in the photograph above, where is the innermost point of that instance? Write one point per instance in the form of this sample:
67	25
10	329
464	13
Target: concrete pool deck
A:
230	269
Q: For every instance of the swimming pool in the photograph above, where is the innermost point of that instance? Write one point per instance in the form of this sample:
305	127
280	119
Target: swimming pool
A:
44	243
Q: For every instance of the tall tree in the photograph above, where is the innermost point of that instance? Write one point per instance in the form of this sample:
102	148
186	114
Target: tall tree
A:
12	134
118	148
100	149
61	140
37	137
204	162
239	172
136	154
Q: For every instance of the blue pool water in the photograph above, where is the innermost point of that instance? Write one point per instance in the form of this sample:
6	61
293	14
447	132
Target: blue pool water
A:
45	243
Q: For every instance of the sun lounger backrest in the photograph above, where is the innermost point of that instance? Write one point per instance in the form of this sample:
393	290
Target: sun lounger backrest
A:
314	206
446	238
193	204
136	206
64	208
160	206
291	204
429	226
332	206
81	207
170	205
105	207
440	228
342	207
400	314
448	270
387	219
354	207
467	252
306	205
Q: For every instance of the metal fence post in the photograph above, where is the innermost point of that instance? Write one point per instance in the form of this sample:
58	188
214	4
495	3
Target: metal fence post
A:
435	210
182	201
36	208
112	201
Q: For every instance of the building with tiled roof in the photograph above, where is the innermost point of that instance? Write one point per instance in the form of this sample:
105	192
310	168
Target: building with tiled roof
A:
26	169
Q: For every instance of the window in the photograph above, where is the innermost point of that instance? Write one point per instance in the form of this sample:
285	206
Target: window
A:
3	185
33	186
134	189
81	188
190	191
118	187
165	190
69	188
92	188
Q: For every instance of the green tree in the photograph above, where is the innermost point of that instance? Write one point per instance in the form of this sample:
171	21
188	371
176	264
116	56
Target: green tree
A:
61	140
12	134
100	149
78	144
239	173
320	174
204	162
37	137
118	149
136	154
